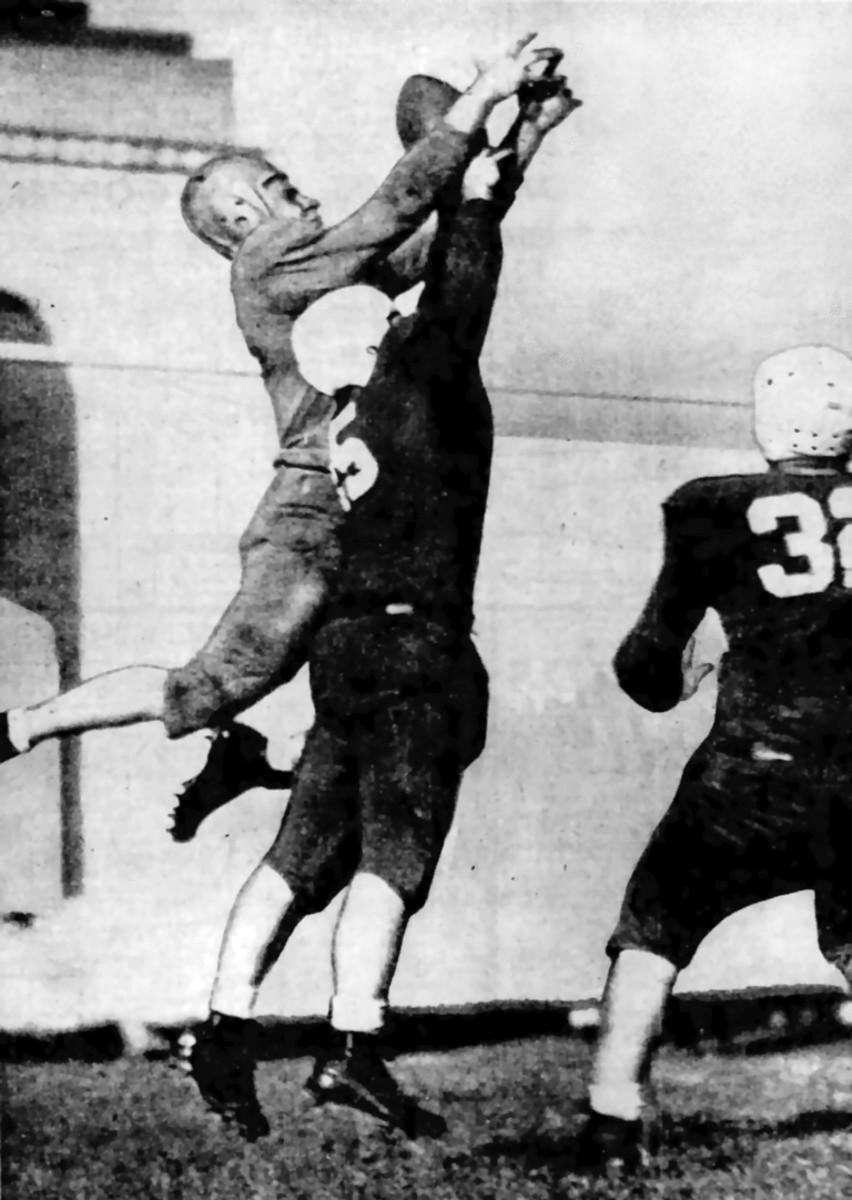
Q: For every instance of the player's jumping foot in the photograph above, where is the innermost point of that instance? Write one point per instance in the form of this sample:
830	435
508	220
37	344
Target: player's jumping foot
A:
360	1079
7	749
610	1145
236	763
222	1063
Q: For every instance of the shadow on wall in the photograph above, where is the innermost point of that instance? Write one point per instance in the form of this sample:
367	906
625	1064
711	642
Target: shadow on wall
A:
39	538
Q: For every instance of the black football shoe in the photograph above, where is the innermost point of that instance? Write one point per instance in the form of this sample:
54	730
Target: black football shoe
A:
222	1063
7	750
236	763
359	1079
611	1146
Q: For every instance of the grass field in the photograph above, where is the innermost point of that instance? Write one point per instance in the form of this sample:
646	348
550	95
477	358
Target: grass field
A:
773	1125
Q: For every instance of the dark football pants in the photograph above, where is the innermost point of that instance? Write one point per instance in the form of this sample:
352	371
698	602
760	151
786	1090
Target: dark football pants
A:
376	788
741	830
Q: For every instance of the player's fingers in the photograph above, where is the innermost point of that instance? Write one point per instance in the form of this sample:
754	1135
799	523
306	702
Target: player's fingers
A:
496	156
548	55
704	670
552	55
521	44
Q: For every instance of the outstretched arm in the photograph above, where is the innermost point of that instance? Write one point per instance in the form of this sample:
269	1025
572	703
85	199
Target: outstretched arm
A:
406	265
535	121
463	271
297	275
649	663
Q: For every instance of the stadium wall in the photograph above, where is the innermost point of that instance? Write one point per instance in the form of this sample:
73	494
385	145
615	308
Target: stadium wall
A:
550	820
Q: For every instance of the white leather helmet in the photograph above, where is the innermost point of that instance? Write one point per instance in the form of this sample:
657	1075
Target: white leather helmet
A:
803	404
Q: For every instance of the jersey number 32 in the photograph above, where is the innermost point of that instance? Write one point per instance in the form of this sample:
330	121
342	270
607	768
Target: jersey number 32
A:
816	547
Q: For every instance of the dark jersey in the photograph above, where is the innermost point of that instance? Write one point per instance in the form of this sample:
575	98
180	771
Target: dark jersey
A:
772	554
280	270
412	450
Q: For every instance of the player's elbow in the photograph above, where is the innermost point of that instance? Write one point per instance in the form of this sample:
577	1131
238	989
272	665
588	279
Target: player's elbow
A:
651	677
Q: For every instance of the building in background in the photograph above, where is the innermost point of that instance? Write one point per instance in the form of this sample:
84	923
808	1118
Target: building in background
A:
121	99
140	439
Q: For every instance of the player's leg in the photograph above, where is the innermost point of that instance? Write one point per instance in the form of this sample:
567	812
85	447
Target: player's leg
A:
634	1000
258	642
288	553
261	920
313	856
367	941
121	697
224	1053
408	785
412	755
718	849
831	878
644	967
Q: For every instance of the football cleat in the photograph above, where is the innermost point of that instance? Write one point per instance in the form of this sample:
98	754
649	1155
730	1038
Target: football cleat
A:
360	1079
7	750
610	1146
222	1063
236	763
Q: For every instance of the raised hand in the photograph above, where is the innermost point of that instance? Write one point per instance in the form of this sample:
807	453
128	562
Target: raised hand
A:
503	76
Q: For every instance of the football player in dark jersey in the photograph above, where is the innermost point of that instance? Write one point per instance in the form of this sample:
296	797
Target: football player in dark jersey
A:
764	806
283	258
399	690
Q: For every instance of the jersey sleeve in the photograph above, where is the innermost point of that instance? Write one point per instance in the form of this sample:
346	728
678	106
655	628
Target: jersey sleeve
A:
461	285
295	276
405	266
648	661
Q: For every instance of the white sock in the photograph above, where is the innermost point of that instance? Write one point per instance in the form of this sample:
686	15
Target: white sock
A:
358	1014
256	916
233	999
18	732
622	1100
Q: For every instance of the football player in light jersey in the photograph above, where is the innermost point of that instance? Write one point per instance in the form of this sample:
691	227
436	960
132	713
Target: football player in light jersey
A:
764	806
283	258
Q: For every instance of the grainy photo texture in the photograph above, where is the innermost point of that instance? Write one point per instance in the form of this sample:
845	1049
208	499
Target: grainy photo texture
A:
425	599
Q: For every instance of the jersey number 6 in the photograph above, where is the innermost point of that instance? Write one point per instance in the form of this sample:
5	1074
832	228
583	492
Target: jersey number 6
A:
813	543
352	465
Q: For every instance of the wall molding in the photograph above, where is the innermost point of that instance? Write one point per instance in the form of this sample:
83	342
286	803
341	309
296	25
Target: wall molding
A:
107	152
